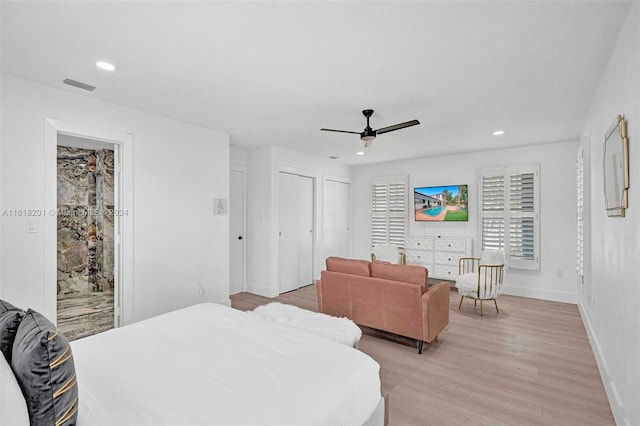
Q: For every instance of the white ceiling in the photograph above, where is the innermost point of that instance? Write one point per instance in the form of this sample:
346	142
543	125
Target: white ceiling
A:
274	73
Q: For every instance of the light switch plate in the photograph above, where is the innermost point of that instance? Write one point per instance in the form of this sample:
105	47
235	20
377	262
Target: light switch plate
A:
219	206
32	225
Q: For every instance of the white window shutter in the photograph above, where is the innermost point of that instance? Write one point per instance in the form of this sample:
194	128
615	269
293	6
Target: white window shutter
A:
580	211
379	208
397	212
389	210
493	233
522	217
521	238
492	211
493	193
509	213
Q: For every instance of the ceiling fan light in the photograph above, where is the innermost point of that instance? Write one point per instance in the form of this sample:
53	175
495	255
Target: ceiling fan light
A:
367	141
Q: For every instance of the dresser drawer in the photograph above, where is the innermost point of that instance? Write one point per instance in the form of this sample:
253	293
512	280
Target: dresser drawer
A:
419	257
451	245
446	272
419	244
445	258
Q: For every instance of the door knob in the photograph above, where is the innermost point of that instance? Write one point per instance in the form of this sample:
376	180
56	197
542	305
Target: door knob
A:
239	237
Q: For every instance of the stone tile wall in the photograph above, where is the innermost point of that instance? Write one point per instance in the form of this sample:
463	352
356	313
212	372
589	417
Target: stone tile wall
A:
85	241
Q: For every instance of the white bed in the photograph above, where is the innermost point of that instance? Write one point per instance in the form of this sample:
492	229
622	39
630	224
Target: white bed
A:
210	364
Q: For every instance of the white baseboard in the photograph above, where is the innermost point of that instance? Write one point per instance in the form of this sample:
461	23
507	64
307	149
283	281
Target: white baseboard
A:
615	402
536	293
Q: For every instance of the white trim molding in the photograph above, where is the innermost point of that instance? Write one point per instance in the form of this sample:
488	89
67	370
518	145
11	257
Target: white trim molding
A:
52	128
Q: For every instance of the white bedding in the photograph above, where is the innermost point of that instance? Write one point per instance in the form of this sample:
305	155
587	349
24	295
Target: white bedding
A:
210	364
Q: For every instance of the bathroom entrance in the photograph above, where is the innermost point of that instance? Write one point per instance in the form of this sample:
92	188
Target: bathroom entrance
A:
87	183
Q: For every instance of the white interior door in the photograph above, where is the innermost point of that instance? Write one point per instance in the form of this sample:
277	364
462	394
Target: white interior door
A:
336	218
305	214
289	233
236	232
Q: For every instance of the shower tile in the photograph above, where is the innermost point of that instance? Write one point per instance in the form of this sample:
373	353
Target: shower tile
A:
107	158
85	241
107	190
72	175
72	257
73	222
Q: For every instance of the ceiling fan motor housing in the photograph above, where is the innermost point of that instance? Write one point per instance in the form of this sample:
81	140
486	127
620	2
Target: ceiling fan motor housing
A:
368	134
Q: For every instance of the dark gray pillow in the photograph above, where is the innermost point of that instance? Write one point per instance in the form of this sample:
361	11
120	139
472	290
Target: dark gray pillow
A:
10	318
43	365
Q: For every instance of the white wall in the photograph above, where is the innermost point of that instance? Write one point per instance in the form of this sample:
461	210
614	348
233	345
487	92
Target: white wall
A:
237	156
177	169
263	166
555	280
612	312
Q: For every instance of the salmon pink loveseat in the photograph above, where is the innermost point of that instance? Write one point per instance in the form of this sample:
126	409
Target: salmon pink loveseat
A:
385	296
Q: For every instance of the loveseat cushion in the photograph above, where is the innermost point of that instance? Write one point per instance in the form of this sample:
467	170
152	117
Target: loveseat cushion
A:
348	266
406	273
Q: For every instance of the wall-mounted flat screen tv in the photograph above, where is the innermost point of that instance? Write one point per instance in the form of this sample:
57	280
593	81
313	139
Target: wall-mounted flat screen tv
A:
448	203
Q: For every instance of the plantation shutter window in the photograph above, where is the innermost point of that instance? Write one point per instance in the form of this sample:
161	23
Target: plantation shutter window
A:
509	214
522	226
389	210
580	212
379	209
493	212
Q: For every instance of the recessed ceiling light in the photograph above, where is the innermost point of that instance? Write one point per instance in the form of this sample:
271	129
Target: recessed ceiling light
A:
498	133
105	66
360	153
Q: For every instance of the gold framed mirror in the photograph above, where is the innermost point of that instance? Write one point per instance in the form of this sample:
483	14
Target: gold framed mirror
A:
616	168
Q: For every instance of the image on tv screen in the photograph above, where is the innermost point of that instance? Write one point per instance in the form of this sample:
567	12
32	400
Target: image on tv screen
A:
441	203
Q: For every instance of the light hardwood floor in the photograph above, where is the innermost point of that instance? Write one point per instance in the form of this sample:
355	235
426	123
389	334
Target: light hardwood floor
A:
531	364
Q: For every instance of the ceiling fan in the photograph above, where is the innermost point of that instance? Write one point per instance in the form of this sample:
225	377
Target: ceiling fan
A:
368	135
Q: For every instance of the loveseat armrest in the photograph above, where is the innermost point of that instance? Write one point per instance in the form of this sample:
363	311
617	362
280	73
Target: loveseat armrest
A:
435	310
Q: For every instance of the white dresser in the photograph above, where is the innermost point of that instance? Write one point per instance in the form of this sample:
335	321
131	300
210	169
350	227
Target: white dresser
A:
439	254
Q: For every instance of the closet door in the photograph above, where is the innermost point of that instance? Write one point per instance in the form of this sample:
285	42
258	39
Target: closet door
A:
305	222
289	234
296	207
336	218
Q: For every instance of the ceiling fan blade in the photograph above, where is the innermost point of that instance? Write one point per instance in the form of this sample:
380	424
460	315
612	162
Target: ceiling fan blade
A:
341	131
397	126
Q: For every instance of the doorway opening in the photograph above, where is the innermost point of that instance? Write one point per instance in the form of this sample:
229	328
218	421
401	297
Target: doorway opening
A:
87	229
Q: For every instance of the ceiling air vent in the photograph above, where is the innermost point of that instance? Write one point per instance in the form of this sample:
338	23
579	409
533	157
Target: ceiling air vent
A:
79	84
